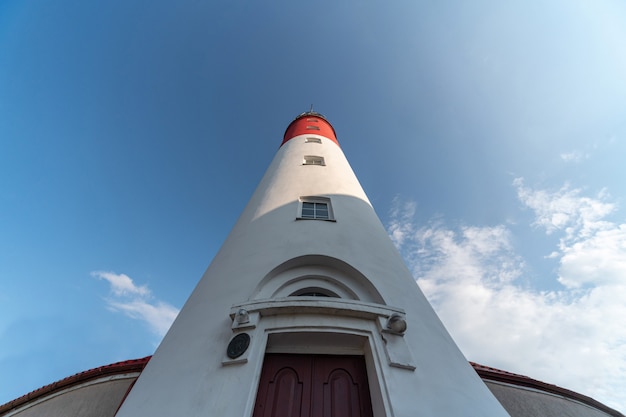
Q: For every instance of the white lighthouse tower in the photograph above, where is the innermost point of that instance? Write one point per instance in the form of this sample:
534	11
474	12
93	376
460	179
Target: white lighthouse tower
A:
308	310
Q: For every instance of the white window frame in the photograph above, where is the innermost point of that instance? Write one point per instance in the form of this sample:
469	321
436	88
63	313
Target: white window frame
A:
313	160
312	140
315	200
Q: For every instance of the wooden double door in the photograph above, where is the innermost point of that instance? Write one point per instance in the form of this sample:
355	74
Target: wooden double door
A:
313	386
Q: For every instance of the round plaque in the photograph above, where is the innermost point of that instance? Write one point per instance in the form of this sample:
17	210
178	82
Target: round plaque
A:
238	345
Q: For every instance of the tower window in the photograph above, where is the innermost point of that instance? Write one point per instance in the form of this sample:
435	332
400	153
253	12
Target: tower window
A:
313	127
316	208
314	292
312	140
313	160
312	120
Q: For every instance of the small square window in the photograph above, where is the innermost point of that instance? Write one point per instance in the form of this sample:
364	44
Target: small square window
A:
313	160
315	208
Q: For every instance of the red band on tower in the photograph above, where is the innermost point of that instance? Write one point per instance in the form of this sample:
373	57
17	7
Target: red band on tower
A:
310	123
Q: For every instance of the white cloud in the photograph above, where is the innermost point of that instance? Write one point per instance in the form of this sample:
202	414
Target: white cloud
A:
592	250
401	226
574	336
565	210
137	302
574	156
121	284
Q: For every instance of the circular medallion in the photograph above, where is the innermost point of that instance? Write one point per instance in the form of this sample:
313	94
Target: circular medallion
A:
238	345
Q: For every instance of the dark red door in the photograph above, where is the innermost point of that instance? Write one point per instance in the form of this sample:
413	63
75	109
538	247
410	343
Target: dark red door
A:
313	386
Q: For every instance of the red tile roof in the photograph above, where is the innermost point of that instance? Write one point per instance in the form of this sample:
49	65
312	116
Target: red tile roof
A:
493	374
133	365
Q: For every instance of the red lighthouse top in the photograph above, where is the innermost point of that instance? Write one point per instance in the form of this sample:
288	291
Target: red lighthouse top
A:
311	123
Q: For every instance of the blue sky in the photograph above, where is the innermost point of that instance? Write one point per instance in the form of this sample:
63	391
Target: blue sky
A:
489	136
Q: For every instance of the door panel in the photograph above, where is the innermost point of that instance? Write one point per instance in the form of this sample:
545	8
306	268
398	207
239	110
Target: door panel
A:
340	396
340	387
285	388
313	386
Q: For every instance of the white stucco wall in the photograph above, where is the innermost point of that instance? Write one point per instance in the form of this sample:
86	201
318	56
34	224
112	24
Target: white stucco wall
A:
190	374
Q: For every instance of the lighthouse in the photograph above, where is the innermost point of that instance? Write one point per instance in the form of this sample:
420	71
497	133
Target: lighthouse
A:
308	310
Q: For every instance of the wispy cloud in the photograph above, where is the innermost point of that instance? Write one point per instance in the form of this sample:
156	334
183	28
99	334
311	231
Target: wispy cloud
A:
573	336
402	227
591	250
137	302
566	210
574	156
